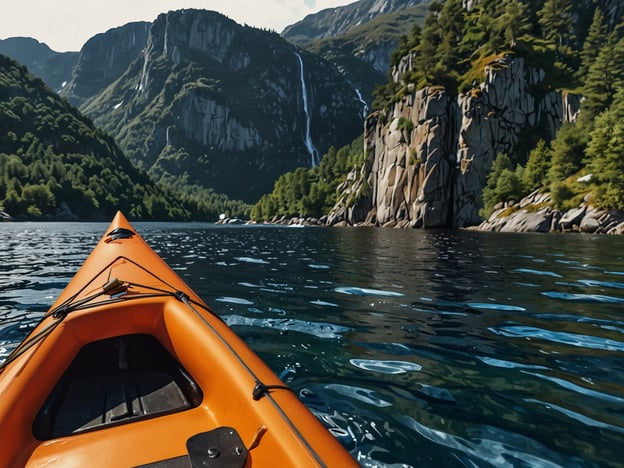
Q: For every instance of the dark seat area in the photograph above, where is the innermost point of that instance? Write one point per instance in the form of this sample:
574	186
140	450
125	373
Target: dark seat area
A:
116	381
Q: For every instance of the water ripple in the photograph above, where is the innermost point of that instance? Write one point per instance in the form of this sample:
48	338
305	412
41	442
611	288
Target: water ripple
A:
491	447
604	284
572	339
584	297
507	364
358	393
492	306
318	329
251	260
538	272
576	416
577	388
233	300
386	367
366	292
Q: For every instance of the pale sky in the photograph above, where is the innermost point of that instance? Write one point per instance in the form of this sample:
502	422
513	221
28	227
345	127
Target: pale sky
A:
67	24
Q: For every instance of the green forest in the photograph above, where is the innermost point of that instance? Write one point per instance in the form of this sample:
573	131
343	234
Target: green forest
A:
310	192
53	160
580	52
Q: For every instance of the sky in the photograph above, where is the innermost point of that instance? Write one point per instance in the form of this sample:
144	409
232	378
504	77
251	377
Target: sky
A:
65	25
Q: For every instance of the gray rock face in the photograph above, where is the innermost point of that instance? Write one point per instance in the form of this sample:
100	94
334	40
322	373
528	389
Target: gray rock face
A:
334	21
203	120
225	106
430	156
103	59
494	115
534	214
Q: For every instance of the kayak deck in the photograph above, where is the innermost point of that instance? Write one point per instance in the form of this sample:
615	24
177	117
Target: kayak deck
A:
130	367
116	381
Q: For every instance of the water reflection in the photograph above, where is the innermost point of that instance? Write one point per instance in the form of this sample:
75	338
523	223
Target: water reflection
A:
418	348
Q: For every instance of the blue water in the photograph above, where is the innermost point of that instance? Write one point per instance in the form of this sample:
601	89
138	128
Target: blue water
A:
415	348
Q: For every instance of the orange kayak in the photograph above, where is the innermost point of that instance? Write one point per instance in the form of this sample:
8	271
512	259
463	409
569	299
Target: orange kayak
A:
130	367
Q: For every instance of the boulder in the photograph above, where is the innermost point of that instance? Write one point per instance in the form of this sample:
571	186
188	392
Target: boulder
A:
572	218
589	225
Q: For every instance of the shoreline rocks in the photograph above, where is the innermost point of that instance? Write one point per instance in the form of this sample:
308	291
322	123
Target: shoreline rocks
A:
534	214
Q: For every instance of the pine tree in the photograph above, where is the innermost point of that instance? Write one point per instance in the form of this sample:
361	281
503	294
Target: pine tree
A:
514	22
596	37
451	23
538	165
428	47
568	151
604	77
557	21
605	158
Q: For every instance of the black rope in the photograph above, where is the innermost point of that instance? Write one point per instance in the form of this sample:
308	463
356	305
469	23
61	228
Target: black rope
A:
112	287
261	389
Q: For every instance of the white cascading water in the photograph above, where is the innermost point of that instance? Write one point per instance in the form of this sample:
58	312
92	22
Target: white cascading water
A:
166	33
314	156
364	105
146	70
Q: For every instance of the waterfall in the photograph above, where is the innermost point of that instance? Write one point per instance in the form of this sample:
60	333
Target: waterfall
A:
314	156
146	69
166	33
364	105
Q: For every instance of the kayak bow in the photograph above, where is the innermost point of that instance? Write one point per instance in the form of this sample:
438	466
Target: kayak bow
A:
130	367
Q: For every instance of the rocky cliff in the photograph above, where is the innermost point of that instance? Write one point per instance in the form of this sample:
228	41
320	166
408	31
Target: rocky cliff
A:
103	59
229	107
359	38
332	22
534	214
430	154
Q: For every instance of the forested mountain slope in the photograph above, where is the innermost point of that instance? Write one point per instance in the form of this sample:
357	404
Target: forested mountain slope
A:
220	105
55	162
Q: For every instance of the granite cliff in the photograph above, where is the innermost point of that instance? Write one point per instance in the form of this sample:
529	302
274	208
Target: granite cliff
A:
103	59
332	22
430	154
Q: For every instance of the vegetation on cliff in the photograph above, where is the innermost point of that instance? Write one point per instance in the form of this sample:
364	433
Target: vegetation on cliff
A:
310	192
584	161
221	104
577	45
455	43
579	48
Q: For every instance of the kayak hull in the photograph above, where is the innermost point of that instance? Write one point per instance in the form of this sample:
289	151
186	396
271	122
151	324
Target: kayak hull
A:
93	391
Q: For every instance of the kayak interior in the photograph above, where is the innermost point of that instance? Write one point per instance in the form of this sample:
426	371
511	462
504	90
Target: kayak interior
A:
115	381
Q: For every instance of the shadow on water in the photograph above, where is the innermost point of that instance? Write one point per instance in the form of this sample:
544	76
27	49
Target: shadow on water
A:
423	348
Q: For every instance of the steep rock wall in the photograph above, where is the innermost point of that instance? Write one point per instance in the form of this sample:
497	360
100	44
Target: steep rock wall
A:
494	116
433	174
103	59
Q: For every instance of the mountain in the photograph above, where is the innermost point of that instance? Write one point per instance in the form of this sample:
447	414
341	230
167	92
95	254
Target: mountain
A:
55	68
336	21
103	59
363	53
55	163
221	105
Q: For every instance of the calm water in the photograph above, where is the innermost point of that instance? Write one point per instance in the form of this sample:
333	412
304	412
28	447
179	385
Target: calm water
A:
415	348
